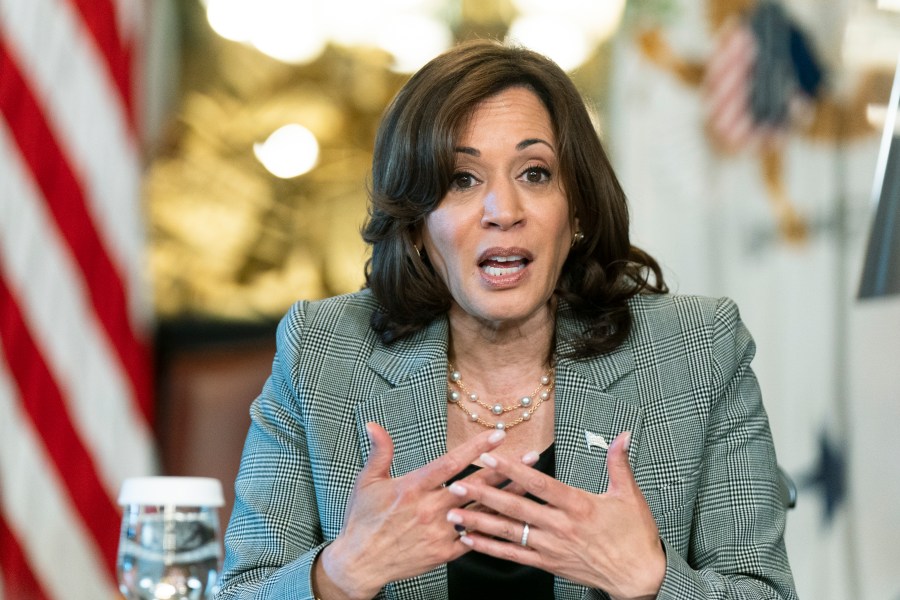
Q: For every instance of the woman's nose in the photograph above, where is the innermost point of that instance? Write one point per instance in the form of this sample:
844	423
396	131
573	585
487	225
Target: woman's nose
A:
502	207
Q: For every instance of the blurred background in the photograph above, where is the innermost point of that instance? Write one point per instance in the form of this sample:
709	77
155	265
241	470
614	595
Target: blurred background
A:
175	173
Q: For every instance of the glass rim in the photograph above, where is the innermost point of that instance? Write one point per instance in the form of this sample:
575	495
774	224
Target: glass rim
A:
172	491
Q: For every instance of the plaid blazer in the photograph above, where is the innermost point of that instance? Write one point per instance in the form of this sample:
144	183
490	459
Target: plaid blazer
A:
701	448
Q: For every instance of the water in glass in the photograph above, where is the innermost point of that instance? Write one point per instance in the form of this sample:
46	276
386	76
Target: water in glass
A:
168	551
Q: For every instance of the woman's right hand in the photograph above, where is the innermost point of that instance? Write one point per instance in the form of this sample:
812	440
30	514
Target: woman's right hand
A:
395	528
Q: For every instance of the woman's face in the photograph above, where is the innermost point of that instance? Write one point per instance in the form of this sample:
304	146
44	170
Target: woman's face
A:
500	236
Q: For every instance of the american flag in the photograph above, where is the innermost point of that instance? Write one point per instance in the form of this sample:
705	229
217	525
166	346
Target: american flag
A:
76	398
761	76
729	74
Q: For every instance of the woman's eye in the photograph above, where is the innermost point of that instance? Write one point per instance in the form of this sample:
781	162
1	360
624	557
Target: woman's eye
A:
463	180
536	175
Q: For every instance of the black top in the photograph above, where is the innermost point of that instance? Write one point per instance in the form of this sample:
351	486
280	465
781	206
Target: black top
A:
475	575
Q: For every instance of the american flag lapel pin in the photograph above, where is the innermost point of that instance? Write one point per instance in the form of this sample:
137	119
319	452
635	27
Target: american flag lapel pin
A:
595	440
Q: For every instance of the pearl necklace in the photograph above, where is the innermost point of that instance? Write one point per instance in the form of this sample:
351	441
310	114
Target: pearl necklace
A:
528	404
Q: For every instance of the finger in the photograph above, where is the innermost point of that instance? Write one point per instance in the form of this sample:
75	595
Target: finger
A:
378	466
511	551
491	477
488	477
511	505
529	460
490	524
489	480
620	476
528	479
438	471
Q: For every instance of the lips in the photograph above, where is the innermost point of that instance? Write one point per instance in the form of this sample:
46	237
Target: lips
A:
503	262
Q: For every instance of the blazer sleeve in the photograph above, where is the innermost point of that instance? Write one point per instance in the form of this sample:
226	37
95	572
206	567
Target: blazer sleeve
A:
274	536
736	546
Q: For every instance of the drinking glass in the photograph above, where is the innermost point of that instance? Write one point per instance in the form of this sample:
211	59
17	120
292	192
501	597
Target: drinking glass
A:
169	546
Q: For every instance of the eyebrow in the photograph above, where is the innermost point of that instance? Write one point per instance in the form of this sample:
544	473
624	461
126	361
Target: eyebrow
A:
519	147
531	141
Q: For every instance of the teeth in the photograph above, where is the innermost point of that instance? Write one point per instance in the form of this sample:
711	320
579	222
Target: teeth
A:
505	258
499	272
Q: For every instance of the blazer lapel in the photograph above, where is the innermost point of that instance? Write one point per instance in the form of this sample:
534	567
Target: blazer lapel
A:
583	410
413	410
584	406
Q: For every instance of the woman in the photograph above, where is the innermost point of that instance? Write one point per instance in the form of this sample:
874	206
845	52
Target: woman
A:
511	407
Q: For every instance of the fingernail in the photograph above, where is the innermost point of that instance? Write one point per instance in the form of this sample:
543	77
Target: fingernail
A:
496	436
489	460
466	540
457	489
531	458
454	518
626	440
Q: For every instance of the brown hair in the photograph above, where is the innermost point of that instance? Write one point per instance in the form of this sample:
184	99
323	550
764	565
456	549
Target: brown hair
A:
412	169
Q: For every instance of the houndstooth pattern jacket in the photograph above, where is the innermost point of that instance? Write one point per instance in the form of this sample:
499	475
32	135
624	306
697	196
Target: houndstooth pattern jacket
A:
701	447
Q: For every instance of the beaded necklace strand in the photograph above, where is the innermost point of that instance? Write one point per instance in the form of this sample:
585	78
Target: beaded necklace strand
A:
527	404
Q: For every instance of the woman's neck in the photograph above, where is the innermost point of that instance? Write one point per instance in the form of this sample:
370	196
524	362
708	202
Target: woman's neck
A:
501	352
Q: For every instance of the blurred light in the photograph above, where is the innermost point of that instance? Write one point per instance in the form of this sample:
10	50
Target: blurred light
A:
889	5
297	31
529	7
290	151
554	37
164	591
289	31
231	19
413	40
422	6
598	19
405	28
352	22
608	18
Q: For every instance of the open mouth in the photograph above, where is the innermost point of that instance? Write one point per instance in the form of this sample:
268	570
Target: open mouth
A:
499	266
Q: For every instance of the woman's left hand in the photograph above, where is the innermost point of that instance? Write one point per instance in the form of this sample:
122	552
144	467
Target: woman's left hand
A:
608	541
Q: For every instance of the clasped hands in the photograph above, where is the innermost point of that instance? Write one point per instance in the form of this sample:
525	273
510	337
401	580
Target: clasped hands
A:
396	528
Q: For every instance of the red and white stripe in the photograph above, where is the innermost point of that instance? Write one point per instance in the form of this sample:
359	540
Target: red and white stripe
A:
76	398
727	83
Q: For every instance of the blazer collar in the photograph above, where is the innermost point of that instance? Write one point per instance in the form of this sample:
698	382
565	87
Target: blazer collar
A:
601	371
398	361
